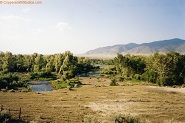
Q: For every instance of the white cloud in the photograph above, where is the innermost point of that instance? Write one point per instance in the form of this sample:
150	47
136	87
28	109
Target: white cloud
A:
38	30
10	21
11	18
62	26
25	10
23	36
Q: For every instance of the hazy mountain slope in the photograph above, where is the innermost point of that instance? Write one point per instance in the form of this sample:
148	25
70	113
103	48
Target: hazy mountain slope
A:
163	46
157	46
112	49
163	43
181	49
140	50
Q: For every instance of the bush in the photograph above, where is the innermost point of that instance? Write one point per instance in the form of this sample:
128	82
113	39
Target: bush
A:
3	84
137	77
149	76
113	82
170	81
120	78
33	76
5	115
10	81
124	119
165	81
60	84
183	86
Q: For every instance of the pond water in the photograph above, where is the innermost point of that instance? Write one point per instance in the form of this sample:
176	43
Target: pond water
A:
94	73
40	86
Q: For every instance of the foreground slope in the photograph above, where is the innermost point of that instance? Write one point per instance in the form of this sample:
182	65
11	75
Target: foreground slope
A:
98	101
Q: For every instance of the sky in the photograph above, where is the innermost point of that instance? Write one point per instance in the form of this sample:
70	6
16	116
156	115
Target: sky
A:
56	26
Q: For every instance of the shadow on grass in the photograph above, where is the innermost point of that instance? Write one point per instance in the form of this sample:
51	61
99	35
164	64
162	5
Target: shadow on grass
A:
15	121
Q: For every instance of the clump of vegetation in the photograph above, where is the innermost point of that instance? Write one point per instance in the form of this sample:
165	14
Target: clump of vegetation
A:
60	84
121	79
98	79
123	119
41	76
11	81
5	116
112	119
162	69
16	70
113	82
108	70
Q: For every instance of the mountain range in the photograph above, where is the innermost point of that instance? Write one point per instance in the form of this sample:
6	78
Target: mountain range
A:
162	46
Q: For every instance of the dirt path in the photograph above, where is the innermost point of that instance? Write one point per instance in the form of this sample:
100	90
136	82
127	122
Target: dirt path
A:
169	89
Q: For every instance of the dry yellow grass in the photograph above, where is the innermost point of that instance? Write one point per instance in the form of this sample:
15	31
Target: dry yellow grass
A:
96	99
97	56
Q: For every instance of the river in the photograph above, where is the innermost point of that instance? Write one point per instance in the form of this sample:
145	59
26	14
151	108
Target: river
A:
40	86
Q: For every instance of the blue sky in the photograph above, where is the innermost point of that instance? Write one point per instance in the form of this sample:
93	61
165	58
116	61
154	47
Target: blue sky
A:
81	25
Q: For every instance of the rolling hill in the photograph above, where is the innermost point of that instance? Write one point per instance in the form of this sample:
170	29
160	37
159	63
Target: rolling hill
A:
162	46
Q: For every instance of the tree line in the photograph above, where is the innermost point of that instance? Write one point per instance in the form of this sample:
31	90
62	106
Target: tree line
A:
162	69
63	65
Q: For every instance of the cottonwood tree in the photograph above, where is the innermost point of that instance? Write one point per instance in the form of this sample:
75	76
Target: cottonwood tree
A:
8	62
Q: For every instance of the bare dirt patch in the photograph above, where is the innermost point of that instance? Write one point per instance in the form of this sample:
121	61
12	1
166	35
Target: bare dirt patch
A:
169	89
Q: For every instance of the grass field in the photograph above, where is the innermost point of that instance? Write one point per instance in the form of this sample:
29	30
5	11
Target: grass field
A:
95	100
97	56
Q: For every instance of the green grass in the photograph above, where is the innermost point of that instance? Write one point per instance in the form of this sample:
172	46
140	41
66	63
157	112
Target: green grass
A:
60	84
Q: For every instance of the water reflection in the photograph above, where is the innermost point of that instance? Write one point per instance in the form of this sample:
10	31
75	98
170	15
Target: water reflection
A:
40	86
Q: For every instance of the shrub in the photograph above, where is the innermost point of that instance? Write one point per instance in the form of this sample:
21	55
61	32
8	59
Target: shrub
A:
121	79
33	75
137	77
123	119
183	86
5	115
10	81
60	84
149	76
113	82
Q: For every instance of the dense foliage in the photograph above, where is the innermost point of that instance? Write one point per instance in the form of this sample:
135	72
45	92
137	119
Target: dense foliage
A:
11	81
162	69
59	66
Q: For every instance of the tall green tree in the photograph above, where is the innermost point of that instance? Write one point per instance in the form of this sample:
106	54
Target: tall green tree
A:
39	63
58	60
1	60
69	67
49	64
8	62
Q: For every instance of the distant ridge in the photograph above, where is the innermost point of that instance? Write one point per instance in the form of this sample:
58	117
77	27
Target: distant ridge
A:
162	46
113	49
